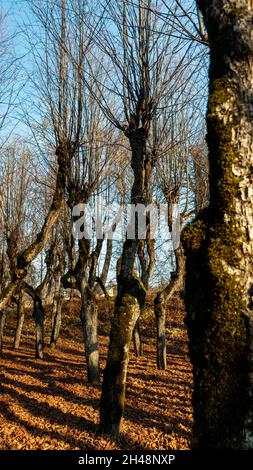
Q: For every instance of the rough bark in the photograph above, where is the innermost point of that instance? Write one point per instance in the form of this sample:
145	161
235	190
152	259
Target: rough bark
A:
219	243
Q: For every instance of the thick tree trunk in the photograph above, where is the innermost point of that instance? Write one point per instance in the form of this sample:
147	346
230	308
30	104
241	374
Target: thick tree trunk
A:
20	321
160	303
219	243
56	319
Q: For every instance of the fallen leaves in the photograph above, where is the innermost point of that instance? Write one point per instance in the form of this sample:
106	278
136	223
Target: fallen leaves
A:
48	405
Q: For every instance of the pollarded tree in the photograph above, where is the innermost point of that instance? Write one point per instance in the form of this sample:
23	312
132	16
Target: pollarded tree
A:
219	243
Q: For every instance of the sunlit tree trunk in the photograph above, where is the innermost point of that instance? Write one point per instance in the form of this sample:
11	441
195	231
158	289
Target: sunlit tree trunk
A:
219	243
39	326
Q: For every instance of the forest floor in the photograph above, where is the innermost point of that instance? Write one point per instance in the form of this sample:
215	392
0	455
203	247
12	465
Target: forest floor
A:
47	404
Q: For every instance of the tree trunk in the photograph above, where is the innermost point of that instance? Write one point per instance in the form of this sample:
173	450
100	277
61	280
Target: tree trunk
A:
160	313
56	319
114	384
2	323
160	303
89	319
219	243
147	261
138	345
39	327
20	321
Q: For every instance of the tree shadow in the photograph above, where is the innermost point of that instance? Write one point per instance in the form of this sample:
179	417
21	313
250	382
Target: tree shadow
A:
73	442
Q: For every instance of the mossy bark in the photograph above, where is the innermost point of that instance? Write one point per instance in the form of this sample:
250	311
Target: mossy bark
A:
219	243
130	298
